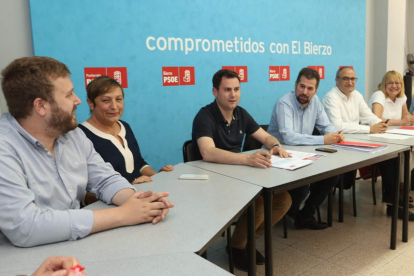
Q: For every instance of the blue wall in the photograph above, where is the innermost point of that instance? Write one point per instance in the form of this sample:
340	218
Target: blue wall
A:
109	33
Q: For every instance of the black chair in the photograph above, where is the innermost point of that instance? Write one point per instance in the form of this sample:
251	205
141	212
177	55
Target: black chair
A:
251	144
188	151
368	172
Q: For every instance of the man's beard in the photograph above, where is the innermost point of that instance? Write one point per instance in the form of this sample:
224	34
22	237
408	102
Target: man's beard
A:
302	101
61	121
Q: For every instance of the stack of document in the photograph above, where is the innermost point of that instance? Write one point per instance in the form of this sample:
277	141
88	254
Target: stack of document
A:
390	136
359	146
298	159
405	130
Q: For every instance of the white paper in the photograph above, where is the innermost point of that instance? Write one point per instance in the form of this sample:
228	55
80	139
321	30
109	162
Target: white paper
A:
296	161
289	163
401	131
301	155
390	136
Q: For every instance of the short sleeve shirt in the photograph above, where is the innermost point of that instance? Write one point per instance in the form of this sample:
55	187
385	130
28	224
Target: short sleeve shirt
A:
209	122
392	110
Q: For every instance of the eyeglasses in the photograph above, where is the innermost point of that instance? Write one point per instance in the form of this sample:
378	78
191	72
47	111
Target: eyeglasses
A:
346	79
394	83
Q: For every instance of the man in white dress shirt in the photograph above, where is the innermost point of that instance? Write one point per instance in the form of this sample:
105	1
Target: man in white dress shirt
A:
346	107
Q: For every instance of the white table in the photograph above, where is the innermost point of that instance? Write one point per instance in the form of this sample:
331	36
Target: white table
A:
183	264
203	209
273	179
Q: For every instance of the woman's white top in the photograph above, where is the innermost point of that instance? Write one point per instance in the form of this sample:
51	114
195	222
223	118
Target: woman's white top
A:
392	110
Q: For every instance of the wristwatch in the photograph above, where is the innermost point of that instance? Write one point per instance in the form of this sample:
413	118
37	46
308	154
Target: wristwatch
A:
276	145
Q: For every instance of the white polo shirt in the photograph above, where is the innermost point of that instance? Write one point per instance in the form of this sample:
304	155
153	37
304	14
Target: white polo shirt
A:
392	110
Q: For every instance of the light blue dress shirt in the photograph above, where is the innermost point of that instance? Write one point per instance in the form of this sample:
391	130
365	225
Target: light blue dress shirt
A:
40	194
294	126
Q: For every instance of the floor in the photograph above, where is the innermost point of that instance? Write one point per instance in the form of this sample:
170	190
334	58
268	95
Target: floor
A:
358	246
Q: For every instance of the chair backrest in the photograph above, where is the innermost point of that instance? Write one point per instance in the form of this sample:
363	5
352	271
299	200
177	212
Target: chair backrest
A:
250	143
188	152
316	131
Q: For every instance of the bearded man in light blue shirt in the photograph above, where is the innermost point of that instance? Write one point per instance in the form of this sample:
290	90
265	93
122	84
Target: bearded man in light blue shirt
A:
294	118
47	164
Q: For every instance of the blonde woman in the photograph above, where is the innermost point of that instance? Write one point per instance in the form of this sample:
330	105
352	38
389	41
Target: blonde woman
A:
389	102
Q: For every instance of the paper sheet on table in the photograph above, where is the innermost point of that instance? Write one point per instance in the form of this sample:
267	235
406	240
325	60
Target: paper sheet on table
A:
299	159
402	130
390	136
304	155
289	163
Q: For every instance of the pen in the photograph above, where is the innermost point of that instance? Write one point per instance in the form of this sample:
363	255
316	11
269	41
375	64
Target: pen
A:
339	132
387	120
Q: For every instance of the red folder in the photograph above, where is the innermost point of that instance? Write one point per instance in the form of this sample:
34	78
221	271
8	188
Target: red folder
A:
357	144
406	127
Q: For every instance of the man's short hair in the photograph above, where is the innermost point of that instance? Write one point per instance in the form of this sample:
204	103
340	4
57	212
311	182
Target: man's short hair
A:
223	73
310	74
28	78
101	85
338	72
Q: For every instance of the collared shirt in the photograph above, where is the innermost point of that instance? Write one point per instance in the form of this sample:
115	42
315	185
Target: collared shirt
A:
351	115
209	122
293	126
391	109
40	193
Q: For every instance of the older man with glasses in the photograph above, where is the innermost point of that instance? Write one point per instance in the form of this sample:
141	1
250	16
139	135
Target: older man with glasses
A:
346	107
